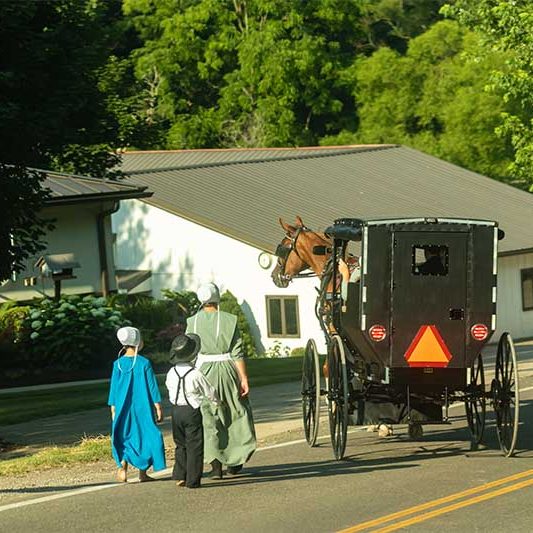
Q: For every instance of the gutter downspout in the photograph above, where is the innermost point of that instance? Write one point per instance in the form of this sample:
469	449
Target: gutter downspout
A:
102	249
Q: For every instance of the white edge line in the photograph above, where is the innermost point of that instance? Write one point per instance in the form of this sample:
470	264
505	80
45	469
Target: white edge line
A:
86	490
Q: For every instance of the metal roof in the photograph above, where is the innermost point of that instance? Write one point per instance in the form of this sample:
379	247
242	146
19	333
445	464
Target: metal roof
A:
242	193
138	162
69	188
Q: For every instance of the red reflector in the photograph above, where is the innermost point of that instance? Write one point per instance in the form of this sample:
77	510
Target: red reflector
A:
377	332
479	332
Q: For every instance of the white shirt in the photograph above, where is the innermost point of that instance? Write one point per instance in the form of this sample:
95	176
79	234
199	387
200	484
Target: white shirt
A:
196	386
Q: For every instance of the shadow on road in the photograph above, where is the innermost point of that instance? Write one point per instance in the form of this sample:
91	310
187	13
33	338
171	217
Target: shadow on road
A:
55	488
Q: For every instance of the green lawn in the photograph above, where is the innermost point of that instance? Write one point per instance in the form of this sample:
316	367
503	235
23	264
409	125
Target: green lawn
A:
22	407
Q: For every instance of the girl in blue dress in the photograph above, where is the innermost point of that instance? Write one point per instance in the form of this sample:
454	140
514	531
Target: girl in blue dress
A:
133	397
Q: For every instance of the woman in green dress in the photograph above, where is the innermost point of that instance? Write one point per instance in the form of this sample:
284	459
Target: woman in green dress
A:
229	434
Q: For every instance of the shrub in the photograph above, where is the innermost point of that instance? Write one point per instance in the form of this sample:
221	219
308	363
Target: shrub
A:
298	352
277	350
186	303
72	333
229	303
12	320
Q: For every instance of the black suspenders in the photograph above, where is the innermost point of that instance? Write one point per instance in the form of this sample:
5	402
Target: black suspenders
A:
181	379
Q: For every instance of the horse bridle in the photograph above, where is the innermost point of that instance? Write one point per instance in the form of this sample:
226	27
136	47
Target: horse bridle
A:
282	252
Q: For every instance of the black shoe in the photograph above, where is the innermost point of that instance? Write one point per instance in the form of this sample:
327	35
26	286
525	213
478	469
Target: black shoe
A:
234	470
216	469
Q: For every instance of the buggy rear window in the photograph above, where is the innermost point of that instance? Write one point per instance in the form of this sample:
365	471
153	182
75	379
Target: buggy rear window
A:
429	260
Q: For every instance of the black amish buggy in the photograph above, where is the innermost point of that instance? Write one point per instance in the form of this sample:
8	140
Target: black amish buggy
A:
406	341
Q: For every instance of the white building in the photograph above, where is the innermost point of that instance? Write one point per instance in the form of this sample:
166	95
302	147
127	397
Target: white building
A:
214	212
80	209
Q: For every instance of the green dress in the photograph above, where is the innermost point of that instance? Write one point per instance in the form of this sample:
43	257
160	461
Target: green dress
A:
229	433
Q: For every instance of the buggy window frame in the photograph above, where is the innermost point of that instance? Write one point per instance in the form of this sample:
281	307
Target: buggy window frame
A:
445	260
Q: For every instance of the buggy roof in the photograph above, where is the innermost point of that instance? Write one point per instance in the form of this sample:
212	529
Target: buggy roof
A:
350	229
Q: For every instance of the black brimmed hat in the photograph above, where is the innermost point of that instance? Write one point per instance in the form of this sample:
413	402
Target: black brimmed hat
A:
184	348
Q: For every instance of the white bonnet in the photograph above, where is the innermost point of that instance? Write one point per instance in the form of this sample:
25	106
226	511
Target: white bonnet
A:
129	336
208	293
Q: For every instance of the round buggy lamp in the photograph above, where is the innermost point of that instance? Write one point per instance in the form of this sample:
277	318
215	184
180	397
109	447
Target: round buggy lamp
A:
479	332
377	332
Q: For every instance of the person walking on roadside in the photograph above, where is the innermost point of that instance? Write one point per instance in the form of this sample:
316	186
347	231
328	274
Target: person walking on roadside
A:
187	387
133	398
229	432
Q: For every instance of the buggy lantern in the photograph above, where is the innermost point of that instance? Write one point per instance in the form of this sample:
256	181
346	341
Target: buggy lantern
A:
377	332
479	332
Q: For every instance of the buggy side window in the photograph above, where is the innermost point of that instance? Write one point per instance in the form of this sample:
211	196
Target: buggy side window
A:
429	260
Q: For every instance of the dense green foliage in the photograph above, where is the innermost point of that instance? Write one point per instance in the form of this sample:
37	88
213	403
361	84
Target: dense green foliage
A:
507	27
21	227
433	99
70	333
229	303
220	73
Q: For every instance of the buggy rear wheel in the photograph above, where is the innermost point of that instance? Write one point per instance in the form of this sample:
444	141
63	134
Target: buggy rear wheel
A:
311	392
337	396
475	402
505	395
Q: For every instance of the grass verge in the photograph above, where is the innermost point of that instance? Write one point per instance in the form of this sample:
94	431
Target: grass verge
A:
25	406
89	450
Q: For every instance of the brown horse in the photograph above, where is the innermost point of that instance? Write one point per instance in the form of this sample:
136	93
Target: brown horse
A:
297	252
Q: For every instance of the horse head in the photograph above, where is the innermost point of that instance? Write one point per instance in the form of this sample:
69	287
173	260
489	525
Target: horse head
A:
300	249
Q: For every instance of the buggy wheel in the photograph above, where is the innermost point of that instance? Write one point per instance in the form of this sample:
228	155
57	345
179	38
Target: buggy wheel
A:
311	392
475	402
337	396
505	394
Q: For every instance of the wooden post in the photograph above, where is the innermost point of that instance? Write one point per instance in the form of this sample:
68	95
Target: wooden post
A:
57	289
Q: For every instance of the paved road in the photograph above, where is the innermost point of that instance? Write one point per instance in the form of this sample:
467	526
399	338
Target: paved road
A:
295	488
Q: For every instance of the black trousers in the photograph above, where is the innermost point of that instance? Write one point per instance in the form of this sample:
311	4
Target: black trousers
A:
188	434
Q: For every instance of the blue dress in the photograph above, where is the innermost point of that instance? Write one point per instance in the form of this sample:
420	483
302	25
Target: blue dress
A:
135	437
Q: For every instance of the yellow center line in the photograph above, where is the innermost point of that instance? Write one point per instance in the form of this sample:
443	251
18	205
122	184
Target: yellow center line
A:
455	506
434	503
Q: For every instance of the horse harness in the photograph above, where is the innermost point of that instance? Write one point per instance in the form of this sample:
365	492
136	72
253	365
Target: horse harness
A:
282	252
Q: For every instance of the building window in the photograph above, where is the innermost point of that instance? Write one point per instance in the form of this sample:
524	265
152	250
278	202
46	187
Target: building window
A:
282	316
527	289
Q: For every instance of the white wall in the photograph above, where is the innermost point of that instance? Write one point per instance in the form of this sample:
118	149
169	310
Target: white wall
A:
182	255
511	316
75	232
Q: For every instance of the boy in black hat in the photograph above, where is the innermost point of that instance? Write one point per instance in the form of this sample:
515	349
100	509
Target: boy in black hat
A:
187	387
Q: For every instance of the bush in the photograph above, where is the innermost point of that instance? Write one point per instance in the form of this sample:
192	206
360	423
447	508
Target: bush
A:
12	320
186	303
229	303
298	352
70	334
277	350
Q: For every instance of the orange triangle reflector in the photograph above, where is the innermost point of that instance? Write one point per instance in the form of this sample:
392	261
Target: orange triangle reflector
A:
428	349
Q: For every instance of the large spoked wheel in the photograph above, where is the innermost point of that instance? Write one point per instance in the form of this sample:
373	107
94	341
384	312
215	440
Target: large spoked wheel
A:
311	392
475	403
505	395
337	396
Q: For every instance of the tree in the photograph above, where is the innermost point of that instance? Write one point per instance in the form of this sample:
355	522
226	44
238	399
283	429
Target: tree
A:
505	27
393	23
433	99
21	227
51	109
240	73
